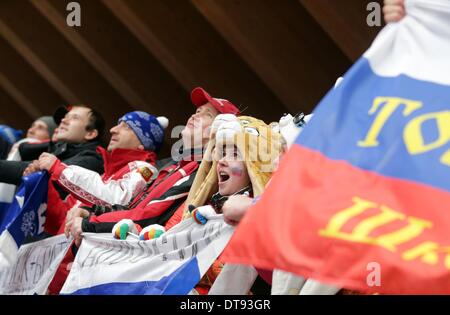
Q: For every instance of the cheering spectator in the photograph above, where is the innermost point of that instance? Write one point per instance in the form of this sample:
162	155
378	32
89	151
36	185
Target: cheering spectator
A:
129	166
78	136
159	200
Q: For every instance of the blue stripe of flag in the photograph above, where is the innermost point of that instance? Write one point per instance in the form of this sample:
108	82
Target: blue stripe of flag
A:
179	282
342	119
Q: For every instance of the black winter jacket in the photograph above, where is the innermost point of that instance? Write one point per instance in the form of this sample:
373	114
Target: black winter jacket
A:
82	154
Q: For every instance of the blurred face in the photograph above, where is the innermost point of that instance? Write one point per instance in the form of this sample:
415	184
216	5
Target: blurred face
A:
231	171
73	126
123	137
196	132
38	130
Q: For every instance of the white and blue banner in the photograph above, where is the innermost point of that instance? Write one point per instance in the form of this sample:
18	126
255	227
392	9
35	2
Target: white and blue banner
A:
24	217
35	266
7	191
171	264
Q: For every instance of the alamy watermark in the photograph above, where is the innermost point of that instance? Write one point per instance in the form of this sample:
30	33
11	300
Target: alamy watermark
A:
74	17
374	17
373	279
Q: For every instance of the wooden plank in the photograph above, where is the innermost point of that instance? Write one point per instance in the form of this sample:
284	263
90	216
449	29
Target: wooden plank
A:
345	23
89	53
37	63
151	42
12	114
203	53
282	43
19	97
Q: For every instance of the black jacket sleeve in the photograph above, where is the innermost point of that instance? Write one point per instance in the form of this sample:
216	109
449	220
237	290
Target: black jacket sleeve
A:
105	227
32	151
87	159
11	171
4	148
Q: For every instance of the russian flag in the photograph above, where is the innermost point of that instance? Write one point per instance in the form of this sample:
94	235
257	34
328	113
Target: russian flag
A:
24	217
361	200
171	264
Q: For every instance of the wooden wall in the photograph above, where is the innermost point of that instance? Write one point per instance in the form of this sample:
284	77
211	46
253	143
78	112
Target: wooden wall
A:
267	56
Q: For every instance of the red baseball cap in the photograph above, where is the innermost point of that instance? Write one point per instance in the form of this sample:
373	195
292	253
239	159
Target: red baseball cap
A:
200	97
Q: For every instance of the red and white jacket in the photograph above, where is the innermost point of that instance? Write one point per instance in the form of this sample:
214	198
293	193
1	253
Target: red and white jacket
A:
127	172
155	204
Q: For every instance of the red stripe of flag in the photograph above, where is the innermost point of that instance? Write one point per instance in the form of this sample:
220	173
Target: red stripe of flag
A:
282	230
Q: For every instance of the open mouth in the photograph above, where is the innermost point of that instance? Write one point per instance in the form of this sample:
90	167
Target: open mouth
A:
223	177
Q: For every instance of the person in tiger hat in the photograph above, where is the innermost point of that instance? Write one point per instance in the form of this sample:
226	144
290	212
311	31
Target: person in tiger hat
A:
242	156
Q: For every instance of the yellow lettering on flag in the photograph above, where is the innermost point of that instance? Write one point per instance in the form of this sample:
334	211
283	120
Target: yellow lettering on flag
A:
413	229
428	253
386	106
445	158
361	233
413	137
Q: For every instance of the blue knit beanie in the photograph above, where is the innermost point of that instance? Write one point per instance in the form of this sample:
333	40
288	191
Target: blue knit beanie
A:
10	134
148	128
